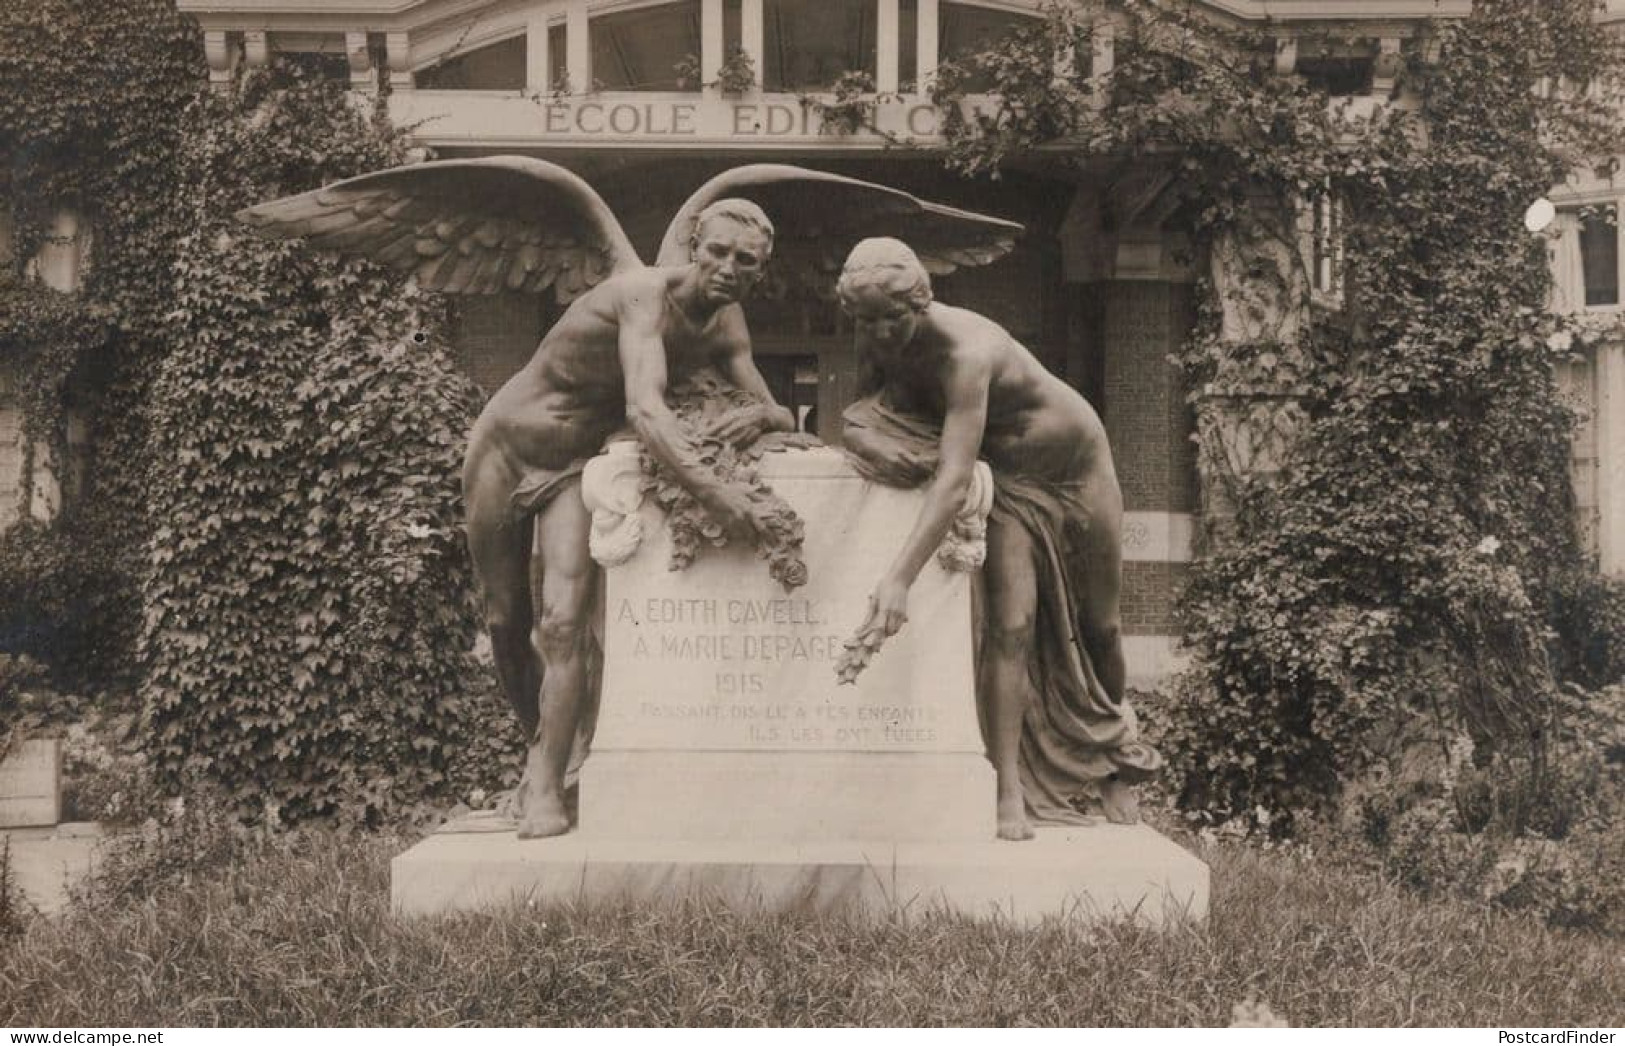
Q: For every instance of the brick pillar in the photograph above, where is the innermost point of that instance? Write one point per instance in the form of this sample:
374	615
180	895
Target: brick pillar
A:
1149	424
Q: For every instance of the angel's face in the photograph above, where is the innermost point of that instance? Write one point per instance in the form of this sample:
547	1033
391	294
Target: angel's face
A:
883	321
730	257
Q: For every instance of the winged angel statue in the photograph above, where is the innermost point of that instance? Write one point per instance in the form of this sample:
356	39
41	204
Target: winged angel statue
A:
631	331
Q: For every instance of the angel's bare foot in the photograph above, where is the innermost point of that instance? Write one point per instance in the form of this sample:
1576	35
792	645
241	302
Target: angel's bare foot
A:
1013	824
538	803
1118	802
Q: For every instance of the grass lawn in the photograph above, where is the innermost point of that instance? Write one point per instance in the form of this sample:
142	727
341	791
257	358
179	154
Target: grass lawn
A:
304	936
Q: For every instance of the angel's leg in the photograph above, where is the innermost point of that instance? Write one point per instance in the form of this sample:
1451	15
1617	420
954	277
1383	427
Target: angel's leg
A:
561	637
499	546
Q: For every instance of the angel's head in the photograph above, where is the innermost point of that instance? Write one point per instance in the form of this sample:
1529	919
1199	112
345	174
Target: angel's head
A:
731	244
885	290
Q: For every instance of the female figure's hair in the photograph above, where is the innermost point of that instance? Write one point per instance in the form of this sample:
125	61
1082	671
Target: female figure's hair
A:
890	266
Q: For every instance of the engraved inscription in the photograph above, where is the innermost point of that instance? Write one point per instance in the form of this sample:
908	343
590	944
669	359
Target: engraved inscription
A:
757	672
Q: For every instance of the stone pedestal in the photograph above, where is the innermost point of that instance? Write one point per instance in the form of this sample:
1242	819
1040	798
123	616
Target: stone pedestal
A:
722	717
1098	870
31	784
729	762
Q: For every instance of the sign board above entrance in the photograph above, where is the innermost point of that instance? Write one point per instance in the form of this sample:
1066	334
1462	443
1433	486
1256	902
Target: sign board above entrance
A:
648	120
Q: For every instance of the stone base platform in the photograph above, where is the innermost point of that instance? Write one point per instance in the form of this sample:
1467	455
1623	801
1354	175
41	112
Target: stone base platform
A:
1066	872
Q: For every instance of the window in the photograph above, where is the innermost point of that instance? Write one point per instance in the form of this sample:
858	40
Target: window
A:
809	45
1326	248
908	29
558	67
495	67
1584	255
641	50
1599	255
964	29
1338	77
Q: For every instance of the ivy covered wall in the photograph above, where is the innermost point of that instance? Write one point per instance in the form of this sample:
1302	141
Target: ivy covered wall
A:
309	625
266	556
92	98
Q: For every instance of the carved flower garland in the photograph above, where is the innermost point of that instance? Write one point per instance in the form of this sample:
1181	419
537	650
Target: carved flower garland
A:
699	403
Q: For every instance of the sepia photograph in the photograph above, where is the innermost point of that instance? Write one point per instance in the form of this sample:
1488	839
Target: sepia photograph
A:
822	514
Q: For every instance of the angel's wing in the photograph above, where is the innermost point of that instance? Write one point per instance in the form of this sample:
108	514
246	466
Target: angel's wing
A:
818	216
498	223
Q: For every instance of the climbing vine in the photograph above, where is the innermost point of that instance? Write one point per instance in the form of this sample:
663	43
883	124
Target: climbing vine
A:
92	94
309	627
1394	561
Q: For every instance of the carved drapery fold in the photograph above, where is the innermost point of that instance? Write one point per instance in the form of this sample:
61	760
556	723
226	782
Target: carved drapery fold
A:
964	548
612	489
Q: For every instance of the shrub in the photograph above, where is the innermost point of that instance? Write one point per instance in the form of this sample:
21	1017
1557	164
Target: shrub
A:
61	602
309	604
1447	817
15	909
1588	615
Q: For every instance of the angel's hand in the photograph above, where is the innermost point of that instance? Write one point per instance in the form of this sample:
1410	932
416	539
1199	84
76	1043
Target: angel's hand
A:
746	425
732	509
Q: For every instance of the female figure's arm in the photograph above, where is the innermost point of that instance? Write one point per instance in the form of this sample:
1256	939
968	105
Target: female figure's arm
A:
966	381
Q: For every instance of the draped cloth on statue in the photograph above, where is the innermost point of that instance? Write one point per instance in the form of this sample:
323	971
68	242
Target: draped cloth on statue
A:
539	487
1073	734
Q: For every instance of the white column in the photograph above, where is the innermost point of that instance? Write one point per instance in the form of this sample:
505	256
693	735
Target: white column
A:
925	42
359	54
256	48
1385	67
1610	423
221	56
398	55
751	39
886	44
60	262
577	53
537	60
1286	55
710	40
1104	43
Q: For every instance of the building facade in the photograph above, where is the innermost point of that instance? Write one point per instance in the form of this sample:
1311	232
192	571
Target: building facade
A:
639	97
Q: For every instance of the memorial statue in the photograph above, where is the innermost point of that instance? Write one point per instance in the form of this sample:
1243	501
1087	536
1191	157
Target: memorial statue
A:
517	224
944	386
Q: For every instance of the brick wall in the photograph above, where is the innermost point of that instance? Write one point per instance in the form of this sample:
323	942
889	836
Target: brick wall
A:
1149	424
1150	597
1143	398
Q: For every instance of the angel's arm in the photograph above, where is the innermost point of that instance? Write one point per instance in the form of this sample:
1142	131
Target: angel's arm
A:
735	358
643	361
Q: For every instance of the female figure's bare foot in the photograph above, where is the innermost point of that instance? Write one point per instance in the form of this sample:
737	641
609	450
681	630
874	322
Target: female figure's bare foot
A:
1012	814
1118	802
545	815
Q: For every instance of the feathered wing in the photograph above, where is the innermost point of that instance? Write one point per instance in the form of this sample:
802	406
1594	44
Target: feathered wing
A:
818	216
480	226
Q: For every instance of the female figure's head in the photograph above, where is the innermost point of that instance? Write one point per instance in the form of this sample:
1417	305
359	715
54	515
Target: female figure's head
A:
885	289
